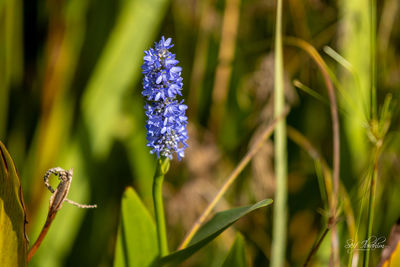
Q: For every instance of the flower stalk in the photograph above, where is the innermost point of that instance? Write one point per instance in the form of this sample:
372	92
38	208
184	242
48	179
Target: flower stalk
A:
162	169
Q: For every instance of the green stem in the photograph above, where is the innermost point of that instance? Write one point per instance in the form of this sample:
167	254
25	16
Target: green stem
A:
280	209
316	247
162	169
360	214
371	205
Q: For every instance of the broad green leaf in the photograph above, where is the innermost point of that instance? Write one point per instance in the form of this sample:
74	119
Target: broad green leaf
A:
13	242
237	254
211	230
118	68
137	239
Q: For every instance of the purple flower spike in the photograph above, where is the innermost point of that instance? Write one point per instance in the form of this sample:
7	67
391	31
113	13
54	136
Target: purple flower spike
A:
162	83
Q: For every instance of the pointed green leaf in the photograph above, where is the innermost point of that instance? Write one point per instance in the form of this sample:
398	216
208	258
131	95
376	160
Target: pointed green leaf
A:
13	243
212	229
237	254
137	240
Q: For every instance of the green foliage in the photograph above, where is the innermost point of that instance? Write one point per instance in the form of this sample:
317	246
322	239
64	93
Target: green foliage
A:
137	240
210	230
70	96
13	244
237	254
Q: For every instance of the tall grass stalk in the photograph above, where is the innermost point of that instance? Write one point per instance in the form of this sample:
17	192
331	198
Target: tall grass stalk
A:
372	195
280	208
371	205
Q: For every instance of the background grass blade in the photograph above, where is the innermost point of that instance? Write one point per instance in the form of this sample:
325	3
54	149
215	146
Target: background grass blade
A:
11	54
118	68
355	37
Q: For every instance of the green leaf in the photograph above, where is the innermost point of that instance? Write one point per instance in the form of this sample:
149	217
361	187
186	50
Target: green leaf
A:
237	254
13	242
211	230
118	68
137	239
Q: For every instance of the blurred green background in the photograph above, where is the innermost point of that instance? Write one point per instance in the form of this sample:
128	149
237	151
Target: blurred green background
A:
70	96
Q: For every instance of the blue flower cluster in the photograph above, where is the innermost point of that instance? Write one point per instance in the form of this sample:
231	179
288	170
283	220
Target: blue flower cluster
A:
162	82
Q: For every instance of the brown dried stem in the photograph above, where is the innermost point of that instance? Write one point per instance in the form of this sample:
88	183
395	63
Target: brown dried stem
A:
56	201
315	248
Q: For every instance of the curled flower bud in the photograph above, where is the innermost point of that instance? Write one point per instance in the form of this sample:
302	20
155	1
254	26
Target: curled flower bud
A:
162	82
